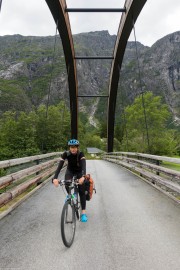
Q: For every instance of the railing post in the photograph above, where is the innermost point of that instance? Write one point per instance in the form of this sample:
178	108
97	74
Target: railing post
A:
37	163
157	163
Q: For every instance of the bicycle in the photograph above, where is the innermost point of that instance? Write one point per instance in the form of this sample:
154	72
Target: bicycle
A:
70	211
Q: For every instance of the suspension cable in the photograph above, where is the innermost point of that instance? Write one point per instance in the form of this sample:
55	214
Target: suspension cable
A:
49	91
124	115
52	67
142	92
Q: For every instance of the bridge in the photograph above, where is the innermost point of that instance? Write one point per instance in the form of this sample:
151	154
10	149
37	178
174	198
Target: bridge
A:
132	225
134	217
130	12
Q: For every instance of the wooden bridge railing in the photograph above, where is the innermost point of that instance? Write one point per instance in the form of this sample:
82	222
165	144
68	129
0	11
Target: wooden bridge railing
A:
14	184
149	167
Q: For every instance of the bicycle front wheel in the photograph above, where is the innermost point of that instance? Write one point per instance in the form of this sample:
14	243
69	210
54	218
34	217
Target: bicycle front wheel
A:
68	224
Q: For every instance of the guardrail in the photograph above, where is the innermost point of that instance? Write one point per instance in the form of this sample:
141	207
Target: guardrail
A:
149	167
14	184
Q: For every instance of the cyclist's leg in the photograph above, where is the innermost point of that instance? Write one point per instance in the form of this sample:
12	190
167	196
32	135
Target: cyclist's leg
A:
82	196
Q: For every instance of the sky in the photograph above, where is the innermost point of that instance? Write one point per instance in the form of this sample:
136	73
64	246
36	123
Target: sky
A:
33	18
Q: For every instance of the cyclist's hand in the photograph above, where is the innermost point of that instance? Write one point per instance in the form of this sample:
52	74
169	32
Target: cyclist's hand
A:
56	182
81	180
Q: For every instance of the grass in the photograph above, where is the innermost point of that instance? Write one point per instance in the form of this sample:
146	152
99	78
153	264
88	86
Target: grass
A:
171	165
89	156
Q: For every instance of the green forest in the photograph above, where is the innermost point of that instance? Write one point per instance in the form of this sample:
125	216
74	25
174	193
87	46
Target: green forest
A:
145	129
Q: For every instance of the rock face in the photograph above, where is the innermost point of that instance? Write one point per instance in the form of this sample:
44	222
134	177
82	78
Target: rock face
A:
29	70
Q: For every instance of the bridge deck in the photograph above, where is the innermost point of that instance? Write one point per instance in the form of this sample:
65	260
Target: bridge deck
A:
131	226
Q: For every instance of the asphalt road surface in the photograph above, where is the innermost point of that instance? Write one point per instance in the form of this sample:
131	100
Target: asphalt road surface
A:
131	226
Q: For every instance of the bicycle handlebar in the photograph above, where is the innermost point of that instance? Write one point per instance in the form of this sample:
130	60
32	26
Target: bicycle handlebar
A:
70	181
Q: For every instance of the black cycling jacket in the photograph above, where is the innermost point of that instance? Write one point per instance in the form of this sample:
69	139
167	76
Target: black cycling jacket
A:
76	163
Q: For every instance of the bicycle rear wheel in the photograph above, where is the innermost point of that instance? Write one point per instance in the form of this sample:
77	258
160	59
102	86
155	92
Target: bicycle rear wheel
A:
68	224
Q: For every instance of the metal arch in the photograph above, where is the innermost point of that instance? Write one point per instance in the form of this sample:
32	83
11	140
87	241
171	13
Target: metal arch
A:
133	9
57	8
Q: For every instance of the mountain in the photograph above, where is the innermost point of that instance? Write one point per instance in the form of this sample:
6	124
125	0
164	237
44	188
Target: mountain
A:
30	69
159	72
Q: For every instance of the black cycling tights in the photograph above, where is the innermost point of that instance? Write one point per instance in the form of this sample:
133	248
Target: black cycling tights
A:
81	188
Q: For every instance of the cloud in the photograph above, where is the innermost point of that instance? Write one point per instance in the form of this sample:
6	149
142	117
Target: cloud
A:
86	22
26	18
157	19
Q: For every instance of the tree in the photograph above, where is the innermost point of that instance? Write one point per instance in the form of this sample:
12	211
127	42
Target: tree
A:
7	135
53	128
18	135
23	134
26	144
41	128
154	130
58	126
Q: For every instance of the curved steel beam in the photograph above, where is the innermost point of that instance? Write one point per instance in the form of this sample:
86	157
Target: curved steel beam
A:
133	9
57	8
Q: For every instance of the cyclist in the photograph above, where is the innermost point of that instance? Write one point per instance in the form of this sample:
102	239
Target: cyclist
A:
76	166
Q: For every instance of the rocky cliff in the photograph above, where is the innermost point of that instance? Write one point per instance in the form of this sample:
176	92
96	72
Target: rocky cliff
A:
29	70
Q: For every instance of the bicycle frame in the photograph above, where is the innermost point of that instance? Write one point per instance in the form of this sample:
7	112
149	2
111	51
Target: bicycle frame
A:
71	184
